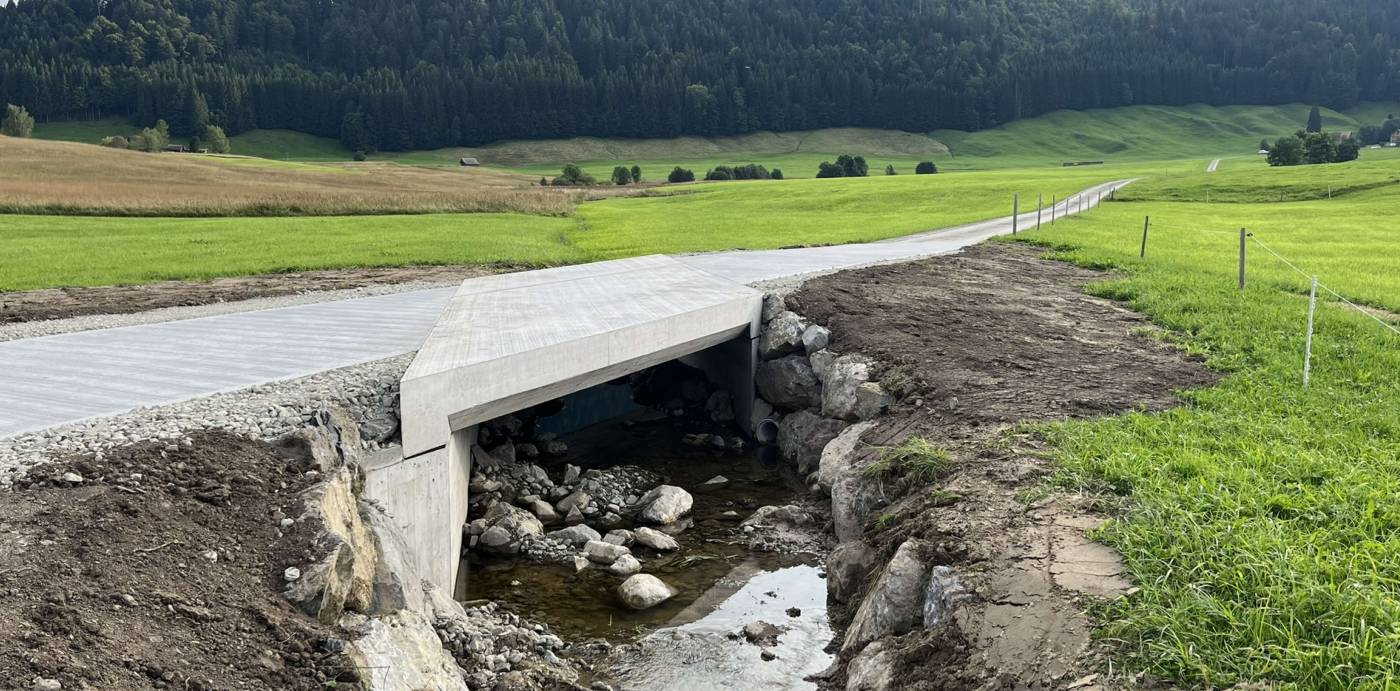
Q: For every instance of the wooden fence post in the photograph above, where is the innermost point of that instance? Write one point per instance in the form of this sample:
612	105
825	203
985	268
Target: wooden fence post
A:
1039	206
1015	212
1243	234
1146	220
1307	349
1053	203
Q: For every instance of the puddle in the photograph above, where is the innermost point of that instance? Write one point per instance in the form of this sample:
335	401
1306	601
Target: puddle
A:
722	584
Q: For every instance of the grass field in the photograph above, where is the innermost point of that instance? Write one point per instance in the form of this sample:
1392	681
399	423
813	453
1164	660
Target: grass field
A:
1260	521
66	178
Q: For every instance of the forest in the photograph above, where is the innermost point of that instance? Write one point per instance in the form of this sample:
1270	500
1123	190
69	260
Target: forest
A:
423	74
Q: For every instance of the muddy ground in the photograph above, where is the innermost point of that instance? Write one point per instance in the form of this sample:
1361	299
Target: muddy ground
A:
975	343
161	568
59	303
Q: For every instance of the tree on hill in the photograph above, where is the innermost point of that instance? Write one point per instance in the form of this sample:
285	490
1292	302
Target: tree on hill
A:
116	142
889	169
1263	145
216	140
777	174
636	173
853	166
925	168
1318	147
1287	151
573	176
1348	150
720	173
827	169
1315	120
621	176
679	174
17	122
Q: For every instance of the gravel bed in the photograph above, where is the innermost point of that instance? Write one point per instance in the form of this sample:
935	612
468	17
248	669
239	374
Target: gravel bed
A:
265	411
50	327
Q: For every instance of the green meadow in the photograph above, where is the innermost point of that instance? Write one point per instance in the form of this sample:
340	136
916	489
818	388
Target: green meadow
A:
1260	520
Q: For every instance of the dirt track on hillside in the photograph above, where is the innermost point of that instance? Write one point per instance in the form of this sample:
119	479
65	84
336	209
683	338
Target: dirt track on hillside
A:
59	303
975	343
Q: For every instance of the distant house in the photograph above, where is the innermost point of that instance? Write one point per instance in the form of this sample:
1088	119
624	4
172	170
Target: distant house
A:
177	148
471	162
1395	138
1344	136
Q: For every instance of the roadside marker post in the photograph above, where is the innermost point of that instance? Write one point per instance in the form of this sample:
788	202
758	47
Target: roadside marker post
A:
1243	234
1015	212
1039	206
1307	349
1053	204
1146	220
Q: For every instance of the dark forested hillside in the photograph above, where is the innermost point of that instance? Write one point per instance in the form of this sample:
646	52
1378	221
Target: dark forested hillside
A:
432	73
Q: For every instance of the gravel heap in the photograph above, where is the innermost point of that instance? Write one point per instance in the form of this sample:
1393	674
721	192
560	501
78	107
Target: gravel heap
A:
368	391
494	647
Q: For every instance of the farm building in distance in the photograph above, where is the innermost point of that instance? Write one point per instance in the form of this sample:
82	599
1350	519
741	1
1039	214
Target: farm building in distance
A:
469	161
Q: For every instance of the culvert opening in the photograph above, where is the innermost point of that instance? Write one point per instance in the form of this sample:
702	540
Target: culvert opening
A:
660	466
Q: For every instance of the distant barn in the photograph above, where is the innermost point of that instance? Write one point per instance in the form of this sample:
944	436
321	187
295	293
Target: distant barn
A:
468	161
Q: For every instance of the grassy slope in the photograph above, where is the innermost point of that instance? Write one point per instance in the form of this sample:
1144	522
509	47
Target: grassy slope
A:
274	144
1261	520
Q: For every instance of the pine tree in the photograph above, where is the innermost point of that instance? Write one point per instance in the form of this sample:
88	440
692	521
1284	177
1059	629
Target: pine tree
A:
17	122
1315	120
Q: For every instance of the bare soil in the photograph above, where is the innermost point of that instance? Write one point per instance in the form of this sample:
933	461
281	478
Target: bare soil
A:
161	569
59	303
975	343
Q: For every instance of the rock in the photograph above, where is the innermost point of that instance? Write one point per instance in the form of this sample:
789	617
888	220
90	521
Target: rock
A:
342	577
789	383
848	567
822	362
626	565
664	504
644	591
847	393
854	499
574	517
838	456
762	633
505	452
620	537
803	435
768	656
571	473
720	406
292	574
717	482
581	564
578	499
72	478
527	451
545	512
781	335
210	555
815	338
46	684
506	527
942	595
794	612
895	604
405	652
874	669
773	305
553	447
656	540
577	536
600	552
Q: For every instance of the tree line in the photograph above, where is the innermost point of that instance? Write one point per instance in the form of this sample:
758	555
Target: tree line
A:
422	74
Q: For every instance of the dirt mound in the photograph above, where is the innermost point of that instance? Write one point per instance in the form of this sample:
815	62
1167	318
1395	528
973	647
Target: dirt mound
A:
975	343
159	566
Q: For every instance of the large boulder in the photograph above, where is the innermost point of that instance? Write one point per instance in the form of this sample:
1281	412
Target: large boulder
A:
664	504
576	535
789	383
604	553
644	591
847	568
895	604
855	497
815	338
803	435
839	455
821	362
343	577
848	393
875	669
781	335
506	527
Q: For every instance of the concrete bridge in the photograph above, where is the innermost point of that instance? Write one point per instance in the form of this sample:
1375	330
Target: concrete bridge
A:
492	346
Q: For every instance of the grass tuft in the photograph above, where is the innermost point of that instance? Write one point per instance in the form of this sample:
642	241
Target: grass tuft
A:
918	458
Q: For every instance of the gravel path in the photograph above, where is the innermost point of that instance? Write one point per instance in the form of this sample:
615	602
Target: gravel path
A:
265	411
10	332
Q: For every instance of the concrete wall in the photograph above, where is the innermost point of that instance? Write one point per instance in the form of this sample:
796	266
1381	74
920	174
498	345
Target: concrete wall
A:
427	498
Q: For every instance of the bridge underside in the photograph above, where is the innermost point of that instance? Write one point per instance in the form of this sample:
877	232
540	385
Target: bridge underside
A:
505	343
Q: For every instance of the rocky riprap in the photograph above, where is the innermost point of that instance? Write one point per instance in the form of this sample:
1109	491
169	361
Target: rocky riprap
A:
494	647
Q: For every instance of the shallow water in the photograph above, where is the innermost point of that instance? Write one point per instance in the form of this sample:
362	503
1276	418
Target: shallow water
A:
713	550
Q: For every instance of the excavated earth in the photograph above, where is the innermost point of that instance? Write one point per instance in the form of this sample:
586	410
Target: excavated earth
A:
973	344
60	303
160	566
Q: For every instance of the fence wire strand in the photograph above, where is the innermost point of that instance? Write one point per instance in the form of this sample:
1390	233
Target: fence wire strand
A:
1334	293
